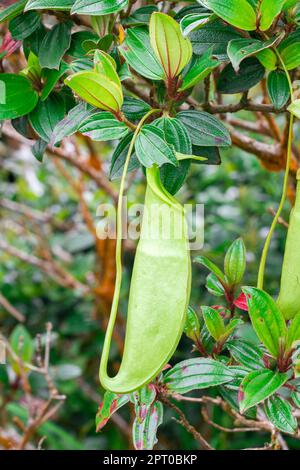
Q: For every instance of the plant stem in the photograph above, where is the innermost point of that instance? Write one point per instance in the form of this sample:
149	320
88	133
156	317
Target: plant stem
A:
261	271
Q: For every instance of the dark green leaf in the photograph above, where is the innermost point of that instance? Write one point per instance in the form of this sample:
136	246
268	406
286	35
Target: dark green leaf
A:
196	374
137	51
22	126
151	147
212	155
141	16
119	157
278	88
175	135
240	49
49	4
54	45
279	412
204	129
103	126
144	433
250	73
214	35
134	108
199	68
267	320
77	40
12	10
71	123
38	149
235	262
259	385
51	77
214	322
24	25
246	353
46	115
194	21
17	97
192	325
96	7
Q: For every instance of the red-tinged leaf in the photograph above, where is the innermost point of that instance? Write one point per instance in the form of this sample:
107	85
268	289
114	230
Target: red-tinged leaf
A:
144	433
241	302
143	400
111	403
196	374
260	385
9	45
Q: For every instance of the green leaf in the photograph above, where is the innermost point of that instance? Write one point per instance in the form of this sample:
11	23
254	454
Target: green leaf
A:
290	55
49	5
12	11
279	413
214	35
196	374
259	385
268	59
71	123
144	433
235	262
294	108
97	90
250	73
54	45
137	51
103	126
22	345
110	404
176	136
46	115
192	325
293	337
278	88
173	51
246	353
194	21
119	157
239	13
214	286
141	16
24	25
38	149
96	7
267	320
77	40
214	322
134	108
211	267
295	396
211	154
50	79
268	10
199	68
204	129
240	49
17	97
143	400
230	328
151	147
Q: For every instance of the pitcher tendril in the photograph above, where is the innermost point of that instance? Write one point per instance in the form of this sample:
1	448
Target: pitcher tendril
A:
262	265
